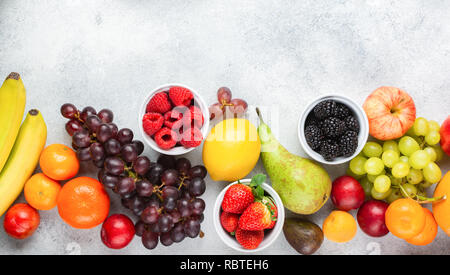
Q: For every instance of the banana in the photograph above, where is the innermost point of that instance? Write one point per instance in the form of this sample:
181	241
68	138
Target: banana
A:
23	158
12	106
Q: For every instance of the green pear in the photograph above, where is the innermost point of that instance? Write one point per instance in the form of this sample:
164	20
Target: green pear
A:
302	184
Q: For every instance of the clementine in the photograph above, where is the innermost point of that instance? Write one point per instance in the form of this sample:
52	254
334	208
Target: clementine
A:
428	233
83	203
41	192
59	162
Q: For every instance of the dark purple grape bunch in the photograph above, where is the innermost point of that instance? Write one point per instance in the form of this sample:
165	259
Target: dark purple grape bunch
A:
227	106
173	209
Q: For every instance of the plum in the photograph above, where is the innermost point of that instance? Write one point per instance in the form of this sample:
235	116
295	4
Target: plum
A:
347	193
117	231
371	218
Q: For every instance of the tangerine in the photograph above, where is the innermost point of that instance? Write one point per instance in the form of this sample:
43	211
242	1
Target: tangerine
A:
428	233
83	203
441	210
405	218
41	192
59	162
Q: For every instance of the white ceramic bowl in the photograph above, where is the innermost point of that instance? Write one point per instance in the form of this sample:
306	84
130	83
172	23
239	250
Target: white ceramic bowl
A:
176	150
270	235
360	115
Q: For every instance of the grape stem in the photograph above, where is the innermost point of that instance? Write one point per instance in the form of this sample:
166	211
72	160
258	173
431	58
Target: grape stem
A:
422	199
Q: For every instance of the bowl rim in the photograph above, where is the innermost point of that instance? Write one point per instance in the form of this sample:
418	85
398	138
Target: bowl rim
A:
176	151
274	234
363	135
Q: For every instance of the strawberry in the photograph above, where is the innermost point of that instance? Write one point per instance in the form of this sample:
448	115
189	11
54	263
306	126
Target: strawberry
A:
152	122
192	137
159	103
249	239
256	217
273	210
237	198
229	221
180	96
166	138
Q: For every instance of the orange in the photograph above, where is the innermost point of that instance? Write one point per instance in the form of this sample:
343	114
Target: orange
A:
441	210
83	203
59	162
428	233
339	227
41	192
405	218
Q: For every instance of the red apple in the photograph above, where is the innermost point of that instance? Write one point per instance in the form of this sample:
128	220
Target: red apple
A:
117	231
21	221
445	136
391	112
347	193
371	218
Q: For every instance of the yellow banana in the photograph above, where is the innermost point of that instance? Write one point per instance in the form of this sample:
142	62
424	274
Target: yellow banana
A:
23	158
12	106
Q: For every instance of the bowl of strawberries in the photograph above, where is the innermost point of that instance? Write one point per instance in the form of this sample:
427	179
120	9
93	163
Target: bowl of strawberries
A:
249	214
174	119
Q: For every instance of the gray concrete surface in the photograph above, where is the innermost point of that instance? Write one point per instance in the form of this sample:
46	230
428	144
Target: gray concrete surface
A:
277	54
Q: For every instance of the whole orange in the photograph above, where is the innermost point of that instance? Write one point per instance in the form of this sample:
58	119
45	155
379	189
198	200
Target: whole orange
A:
405	218
59	162
441	210
83	203
339	227
41	192
428	233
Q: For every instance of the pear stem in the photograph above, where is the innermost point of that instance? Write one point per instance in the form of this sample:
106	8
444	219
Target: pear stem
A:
259	114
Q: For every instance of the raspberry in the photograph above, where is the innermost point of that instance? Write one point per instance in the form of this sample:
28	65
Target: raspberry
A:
195	117
159	103
152	122
180	96
166	138
192	137
173	119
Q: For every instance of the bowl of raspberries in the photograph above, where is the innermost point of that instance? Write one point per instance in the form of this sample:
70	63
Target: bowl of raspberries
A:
333	129
174	119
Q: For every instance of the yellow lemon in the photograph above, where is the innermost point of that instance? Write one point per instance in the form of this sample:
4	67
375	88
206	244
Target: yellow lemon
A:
231	150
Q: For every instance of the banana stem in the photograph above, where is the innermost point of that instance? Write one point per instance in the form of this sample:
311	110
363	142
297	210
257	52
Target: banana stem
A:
259	114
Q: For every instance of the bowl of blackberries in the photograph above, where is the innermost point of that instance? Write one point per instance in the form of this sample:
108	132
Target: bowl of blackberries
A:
333	129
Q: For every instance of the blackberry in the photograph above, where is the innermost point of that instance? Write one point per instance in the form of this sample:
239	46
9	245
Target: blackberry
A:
311	120
314	136
333	127
352	124
325	109
329	150
348	143
341	111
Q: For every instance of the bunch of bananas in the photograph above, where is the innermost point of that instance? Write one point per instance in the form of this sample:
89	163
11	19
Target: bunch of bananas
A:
20	146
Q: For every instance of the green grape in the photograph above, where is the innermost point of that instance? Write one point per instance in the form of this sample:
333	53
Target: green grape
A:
432	153
382	184
357	165
410	132
411	190
433	138
374	166
367	186
421	127
425	185
380	196
353	175
400	170
404	159
432	173
395	195
408	146
439	152
434	126
419	159
372	149
391	145
372	178
390	157
395	181
415	176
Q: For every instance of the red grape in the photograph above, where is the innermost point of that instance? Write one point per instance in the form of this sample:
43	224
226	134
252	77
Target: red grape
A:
69	110
72	126
224	95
